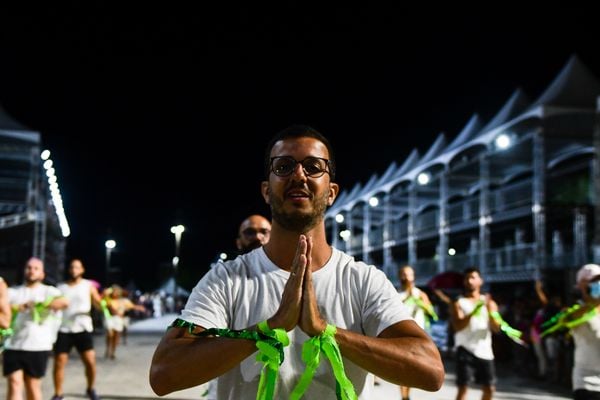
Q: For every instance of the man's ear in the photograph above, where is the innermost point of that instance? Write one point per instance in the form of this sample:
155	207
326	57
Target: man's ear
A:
334	189
265	190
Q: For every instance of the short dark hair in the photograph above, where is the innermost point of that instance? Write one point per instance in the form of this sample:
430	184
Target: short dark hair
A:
299	131
470	270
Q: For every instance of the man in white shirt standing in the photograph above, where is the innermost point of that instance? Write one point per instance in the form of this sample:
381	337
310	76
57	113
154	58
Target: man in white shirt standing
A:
76	329
473	326
26	356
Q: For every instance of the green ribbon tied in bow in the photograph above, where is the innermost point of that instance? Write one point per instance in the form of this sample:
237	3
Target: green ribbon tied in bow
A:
325	342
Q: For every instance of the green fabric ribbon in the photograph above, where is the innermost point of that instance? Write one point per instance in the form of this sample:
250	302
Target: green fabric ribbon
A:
477	310
271	355
512	333
430	313
311	349
40	311
559	320
583	319
270	344
105	310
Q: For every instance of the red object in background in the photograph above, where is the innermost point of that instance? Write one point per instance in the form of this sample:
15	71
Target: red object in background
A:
446	280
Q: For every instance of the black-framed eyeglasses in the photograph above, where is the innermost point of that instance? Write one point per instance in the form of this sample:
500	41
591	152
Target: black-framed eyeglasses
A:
314	167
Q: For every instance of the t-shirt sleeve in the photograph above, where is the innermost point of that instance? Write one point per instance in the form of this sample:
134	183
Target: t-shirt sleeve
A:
54	292
208	304
383	306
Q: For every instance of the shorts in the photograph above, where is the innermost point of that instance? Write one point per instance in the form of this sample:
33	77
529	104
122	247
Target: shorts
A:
82	341
33	363
468	365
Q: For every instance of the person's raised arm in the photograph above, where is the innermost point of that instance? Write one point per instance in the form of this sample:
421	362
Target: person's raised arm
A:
539	291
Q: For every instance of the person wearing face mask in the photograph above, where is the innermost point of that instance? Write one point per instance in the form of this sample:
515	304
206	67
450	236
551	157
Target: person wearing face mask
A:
584	323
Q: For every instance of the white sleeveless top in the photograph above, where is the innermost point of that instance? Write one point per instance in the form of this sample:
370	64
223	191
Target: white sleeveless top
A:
477	336
415	311
76	317
586	368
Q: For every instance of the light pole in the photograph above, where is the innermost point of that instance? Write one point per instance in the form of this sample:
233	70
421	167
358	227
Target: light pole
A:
176	230
110	245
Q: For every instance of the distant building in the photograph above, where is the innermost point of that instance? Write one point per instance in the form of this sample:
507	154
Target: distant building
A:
516	195
29	222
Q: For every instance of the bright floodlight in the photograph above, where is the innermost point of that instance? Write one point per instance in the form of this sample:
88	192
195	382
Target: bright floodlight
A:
451	251
177	230
423	178
373	201
345	234
45	155
110	244
339	218
223	256
502	141
48	164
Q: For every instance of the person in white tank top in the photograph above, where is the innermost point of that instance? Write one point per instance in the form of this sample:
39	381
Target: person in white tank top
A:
76	329
419	305
473	326
586	335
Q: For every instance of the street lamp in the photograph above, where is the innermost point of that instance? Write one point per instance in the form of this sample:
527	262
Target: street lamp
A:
110	245
176	230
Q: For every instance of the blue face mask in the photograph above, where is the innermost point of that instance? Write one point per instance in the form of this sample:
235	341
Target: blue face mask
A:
594	289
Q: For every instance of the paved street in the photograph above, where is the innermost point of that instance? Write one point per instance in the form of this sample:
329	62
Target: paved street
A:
126	377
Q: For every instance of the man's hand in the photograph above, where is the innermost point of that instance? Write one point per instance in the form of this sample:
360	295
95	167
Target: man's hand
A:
288	314
311	321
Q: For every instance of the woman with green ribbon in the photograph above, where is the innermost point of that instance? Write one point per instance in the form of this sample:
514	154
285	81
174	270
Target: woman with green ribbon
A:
323	323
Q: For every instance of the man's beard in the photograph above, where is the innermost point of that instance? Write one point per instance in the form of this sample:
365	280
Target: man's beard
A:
298	221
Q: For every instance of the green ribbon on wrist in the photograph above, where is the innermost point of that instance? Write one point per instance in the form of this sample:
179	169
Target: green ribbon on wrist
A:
311	350
270	353
269	342
512	333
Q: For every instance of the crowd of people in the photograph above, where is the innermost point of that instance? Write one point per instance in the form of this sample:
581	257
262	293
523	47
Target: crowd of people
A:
293	299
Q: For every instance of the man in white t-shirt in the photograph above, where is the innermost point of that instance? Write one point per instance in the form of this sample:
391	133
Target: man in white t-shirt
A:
34	331
296	283
76	329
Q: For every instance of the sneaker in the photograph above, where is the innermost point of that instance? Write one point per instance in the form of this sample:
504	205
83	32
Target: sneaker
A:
57	397
91	393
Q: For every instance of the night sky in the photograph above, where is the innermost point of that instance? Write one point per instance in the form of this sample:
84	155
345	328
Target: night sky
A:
159	116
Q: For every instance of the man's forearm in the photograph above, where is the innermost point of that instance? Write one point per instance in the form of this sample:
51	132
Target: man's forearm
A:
182	361
408	360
